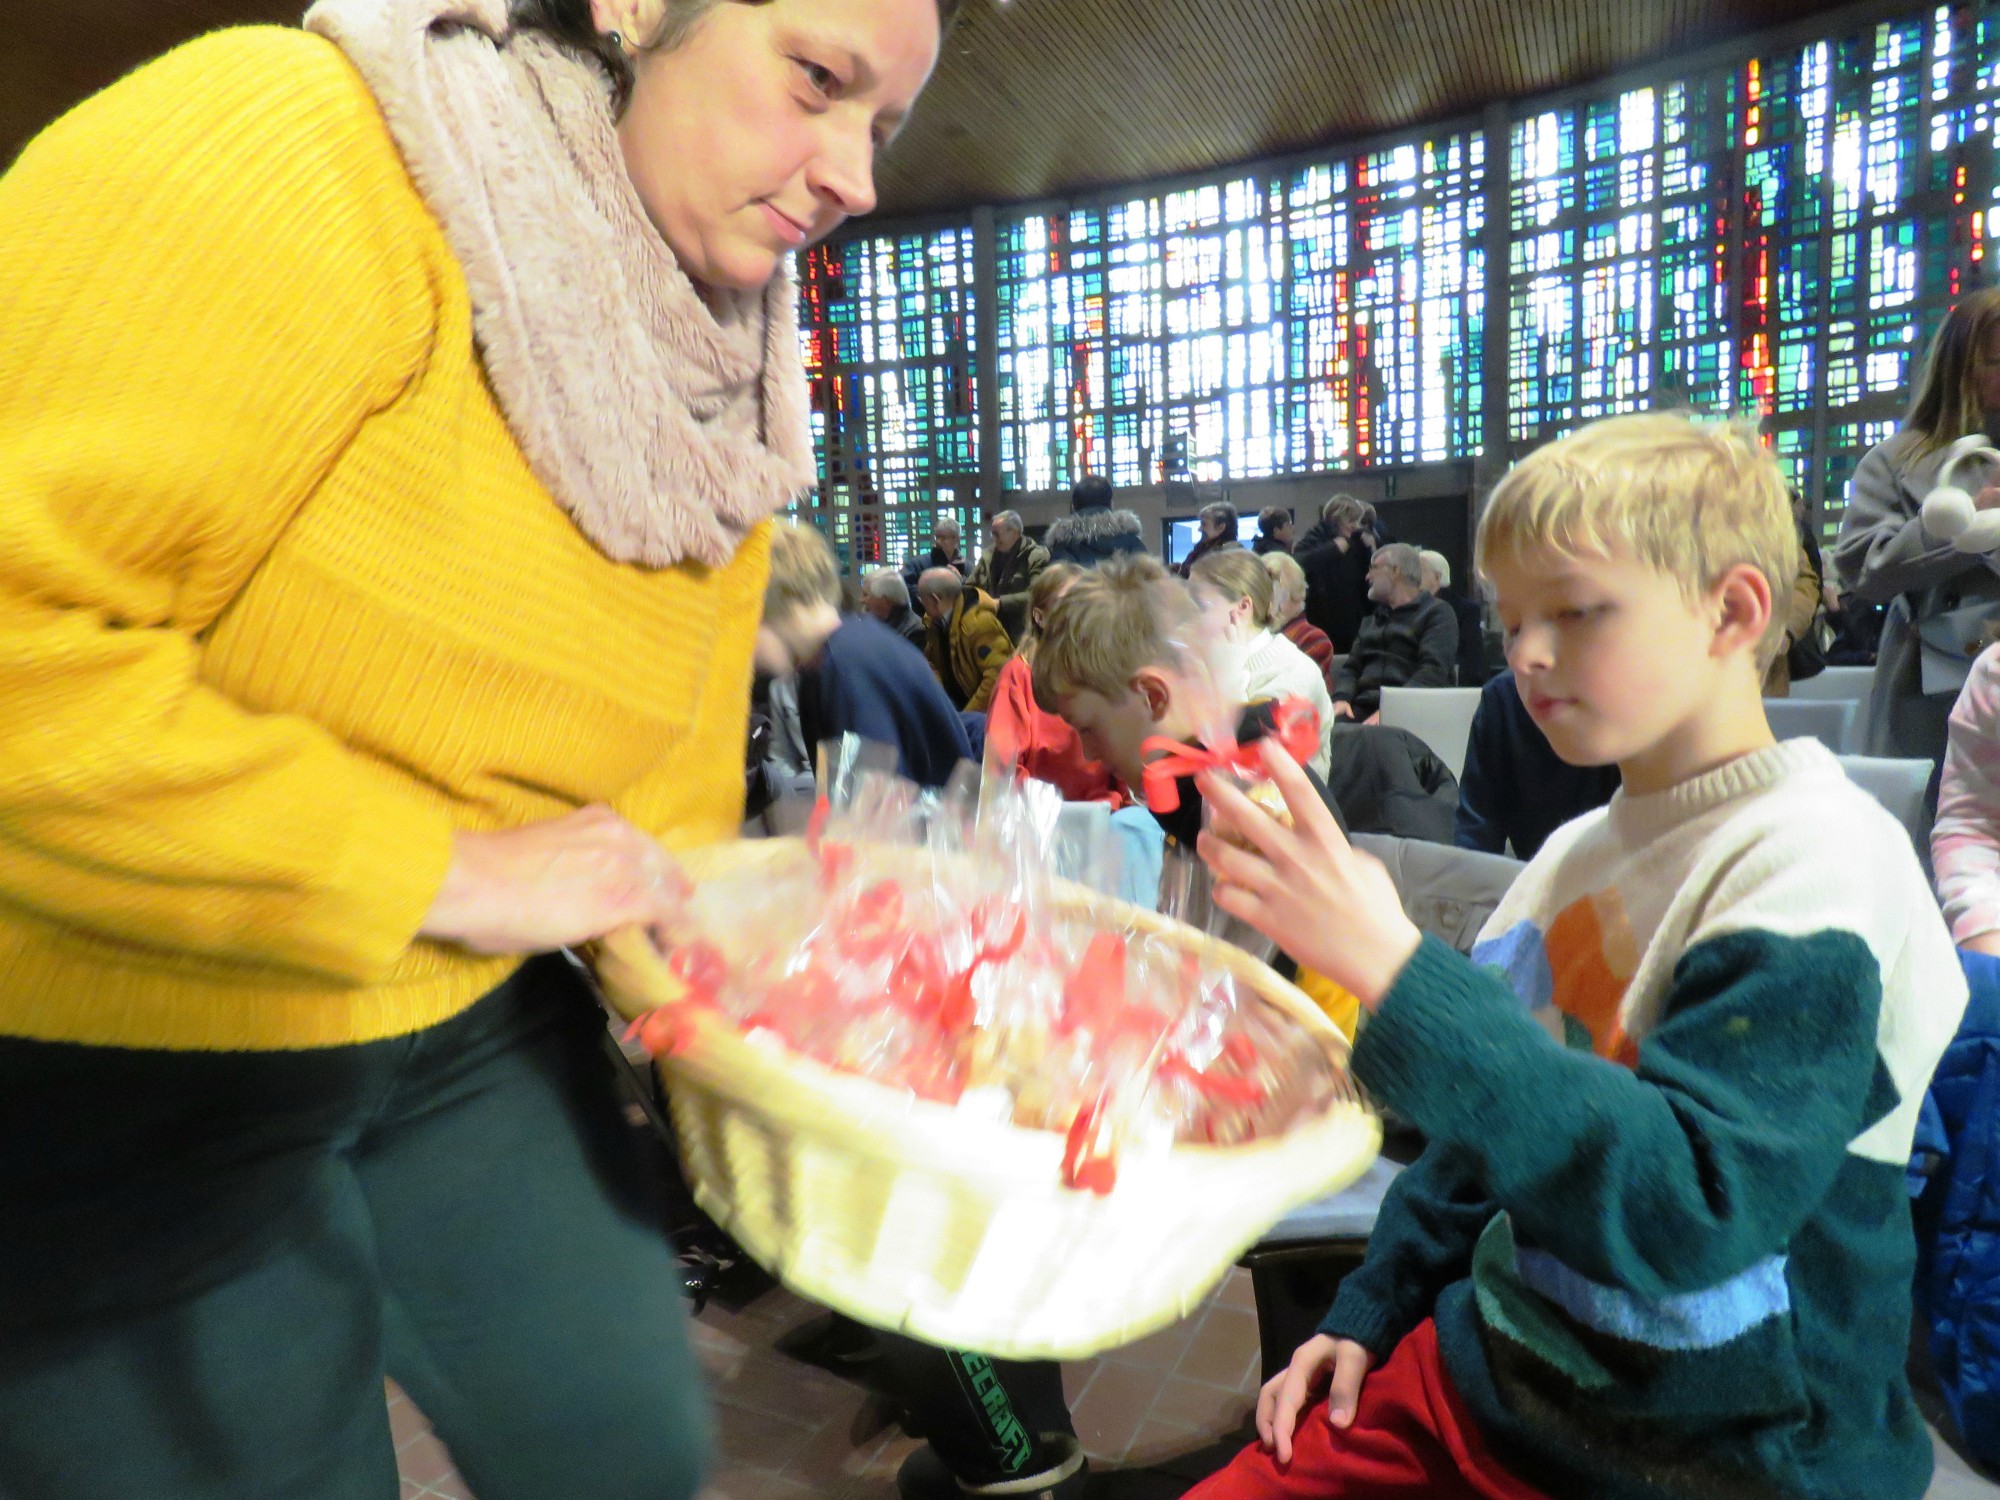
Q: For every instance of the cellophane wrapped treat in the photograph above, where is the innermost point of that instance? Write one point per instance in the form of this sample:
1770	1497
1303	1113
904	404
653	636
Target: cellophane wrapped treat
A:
918	947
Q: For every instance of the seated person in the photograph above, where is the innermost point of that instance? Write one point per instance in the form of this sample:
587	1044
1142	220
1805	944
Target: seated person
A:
1021	735
1516	790
1107	663
1471	664
967	645
885	596
945	552
1272	667
1856	626
1104	661
1410	641
854	674
1657	1244
1007	570
1799	607
1288	613
1965	841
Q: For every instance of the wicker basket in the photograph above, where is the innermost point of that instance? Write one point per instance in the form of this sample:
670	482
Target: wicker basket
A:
916	1217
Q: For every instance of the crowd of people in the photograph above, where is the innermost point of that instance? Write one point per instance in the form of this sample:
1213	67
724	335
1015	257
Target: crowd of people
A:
395	429
974	624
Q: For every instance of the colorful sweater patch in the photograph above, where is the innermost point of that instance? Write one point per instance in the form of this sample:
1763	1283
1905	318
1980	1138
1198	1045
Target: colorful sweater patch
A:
1660	1222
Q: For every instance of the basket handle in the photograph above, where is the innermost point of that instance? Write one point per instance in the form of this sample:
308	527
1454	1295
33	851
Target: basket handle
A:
634	973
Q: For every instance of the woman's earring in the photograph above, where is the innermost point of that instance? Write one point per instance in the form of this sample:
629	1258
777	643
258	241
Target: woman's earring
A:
616	40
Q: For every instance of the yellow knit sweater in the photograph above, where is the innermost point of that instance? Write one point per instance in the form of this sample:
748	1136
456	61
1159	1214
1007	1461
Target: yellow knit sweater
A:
281	604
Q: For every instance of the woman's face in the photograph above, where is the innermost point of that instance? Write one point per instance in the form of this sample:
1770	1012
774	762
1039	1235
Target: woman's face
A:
1986	370
756	136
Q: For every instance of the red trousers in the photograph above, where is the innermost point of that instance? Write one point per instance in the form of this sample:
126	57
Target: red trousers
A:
1411	1435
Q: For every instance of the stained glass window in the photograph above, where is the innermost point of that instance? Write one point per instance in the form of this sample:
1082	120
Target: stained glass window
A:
1616	273
1774	238
1276	323
890	333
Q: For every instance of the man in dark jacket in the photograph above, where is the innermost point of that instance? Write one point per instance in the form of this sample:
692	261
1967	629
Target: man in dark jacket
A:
1516	790
885	596
1093	533
1410	641
1009	569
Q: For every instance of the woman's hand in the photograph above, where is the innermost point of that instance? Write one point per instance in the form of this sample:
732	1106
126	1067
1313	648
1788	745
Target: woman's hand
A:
1305	887
1343	710
545	886
1285	1394
1987	498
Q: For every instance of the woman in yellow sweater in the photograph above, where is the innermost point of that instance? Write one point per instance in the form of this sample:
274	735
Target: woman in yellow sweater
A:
389	413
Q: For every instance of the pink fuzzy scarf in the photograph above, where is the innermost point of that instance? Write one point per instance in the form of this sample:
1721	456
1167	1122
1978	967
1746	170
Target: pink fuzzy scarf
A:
665	424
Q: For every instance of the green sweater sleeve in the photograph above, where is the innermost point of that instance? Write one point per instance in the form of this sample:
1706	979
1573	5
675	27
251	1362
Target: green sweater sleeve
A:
1431	1218
1674	1174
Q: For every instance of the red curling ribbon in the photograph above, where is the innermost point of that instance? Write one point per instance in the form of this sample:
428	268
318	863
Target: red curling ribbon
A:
1294	725
1218	1086
880	907
664	1031
1096	986
834	859
988	916
874	927
1086	1165
701	969
1239	1049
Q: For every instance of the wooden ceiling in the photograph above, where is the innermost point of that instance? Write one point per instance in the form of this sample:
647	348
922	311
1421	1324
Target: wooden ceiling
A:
1036	98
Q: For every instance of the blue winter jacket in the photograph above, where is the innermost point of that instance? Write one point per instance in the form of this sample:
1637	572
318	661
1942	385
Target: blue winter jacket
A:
1955	1180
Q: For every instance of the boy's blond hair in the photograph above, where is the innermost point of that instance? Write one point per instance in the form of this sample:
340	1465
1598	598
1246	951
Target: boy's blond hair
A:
1690	498
1111	623
803	572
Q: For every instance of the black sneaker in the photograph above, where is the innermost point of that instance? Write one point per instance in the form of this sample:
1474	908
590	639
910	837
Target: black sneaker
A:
1062	1474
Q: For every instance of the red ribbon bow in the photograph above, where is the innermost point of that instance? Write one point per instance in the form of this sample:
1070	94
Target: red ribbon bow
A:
1294	725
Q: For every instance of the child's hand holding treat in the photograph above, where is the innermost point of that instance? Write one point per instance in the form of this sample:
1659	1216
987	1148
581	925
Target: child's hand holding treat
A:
1305	887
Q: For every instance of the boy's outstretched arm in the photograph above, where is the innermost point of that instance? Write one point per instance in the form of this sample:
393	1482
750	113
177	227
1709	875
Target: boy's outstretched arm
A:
1672	1175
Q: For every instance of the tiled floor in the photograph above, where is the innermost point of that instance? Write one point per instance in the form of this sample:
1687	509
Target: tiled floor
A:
1154	1417
426	1467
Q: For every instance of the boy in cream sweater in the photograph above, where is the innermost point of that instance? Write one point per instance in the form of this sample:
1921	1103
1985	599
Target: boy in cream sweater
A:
1657	1244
